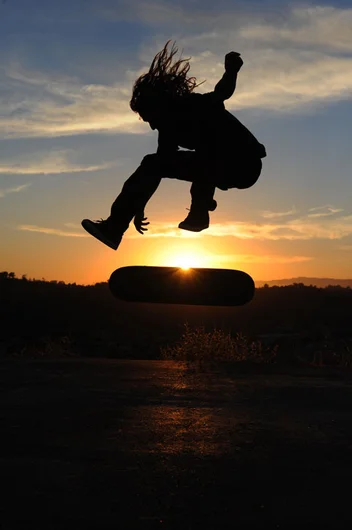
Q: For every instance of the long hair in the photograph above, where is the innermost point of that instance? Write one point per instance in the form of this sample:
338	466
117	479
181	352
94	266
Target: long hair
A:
164	81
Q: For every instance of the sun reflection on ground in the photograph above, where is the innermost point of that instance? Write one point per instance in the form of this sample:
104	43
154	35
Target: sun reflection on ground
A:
187	422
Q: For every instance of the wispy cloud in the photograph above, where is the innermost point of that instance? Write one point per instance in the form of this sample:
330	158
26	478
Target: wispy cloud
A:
55	162
258	258
302	60
51	231
62	106
300	228
76	226
318	211
319	26
346	248
16	189
324	211
267	214
303	227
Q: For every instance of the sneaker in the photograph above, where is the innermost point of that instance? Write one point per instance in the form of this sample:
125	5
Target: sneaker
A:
103	231
195	222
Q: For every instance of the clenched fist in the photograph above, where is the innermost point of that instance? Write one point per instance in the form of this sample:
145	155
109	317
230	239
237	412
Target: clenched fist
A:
233	62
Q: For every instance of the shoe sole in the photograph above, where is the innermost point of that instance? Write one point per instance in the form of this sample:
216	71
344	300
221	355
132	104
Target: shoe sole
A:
93	231
192	228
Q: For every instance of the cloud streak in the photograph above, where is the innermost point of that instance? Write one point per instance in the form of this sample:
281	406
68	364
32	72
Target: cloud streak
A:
40	105
267	214
16	189
324	211
299	228
345	248
263	259
56	162
317	26
302	228
50	231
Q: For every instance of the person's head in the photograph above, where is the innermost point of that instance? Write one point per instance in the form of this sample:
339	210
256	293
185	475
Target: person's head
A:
152	105
155	91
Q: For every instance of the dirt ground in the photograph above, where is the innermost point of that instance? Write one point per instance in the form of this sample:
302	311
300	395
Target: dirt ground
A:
150	444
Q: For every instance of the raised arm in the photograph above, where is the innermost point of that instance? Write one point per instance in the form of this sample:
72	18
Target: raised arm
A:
227	84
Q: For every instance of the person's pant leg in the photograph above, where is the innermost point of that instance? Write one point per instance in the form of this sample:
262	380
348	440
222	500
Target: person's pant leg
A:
142	184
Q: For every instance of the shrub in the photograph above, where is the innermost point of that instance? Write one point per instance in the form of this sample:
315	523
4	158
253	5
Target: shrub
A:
197	344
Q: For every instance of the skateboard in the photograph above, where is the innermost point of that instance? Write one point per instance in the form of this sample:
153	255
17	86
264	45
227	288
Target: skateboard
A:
174	285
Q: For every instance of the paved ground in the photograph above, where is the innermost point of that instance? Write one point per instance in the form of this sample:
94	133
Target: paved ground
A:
129	444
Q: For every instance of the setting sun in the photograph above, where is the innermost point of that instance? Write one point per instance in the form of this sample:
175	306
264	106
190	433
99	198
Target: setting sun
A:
187	261
183	253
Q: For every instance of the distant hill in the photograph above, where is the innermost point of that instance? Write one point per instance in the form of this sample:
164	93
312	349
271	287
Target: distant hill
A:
318	282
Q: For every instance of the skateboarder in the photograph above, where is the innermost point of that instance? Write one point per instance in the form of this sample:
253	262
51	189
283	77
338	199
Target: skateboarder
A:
218	150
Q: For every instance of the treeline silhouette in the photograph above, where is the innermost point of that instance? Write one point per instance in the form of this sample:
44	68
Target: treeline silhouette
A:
46	318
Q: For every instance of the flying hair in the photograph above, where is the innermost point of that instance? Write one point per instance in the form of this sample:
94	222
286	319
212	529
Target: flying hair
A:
164	80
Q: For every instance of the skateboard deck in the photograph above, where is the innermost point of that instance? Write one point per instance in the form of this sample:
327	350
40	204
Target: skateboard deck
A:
173	285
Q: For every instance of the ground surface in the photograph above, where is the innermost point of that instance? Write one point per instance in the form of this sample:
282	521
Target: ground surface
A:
129	444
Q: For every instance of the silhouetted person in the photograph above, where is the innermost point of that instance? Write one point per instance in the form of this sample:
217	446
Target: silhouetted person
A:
220	151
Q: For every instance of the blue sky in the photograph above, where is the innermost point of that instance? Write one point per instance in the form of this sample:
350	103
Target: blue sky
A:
68	139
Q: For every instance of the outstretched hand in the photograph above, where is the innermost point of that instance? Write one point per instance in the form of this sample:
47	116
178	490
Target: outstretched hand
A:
233	62
140	222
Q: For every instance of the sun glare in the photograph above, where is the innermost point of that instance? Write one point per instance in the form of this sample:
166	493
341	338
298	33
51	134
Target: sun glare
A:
187	261
184	255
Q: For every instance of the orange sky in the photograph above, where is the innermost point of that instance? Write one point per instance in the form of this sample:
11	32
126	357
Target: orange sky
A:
85	260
